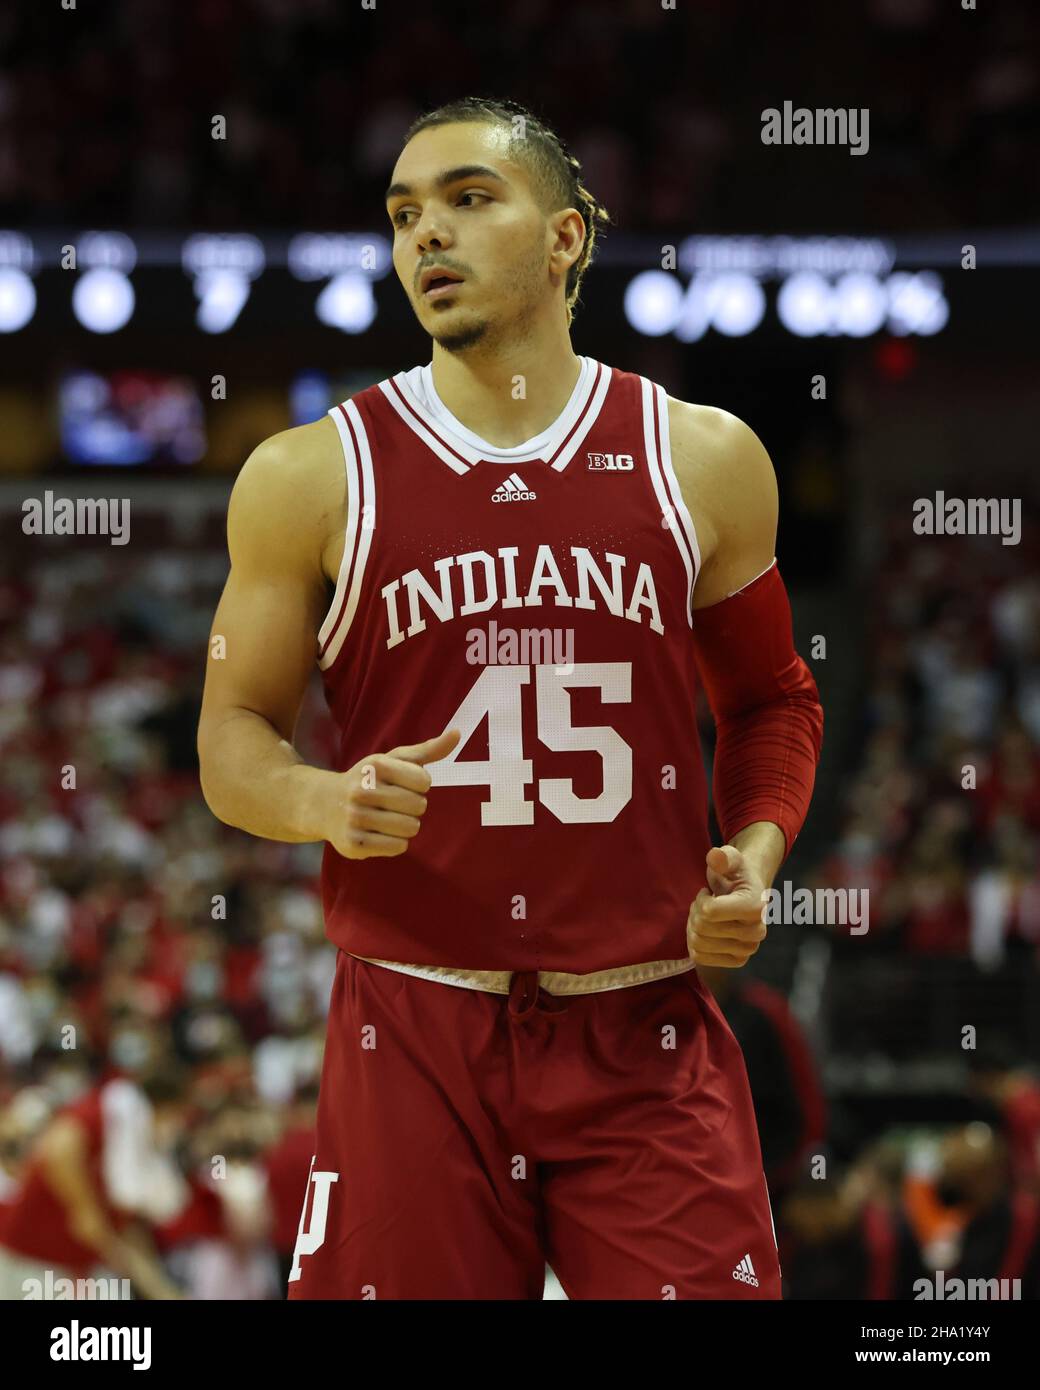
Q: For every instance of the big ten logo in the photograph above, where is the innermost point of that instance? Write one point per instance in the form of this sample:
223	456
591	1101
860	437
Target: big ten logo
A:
611	463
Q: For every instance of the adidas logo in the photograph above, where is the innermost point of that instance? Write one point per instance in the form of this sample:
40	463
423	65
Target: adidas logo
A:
514	489
745	1272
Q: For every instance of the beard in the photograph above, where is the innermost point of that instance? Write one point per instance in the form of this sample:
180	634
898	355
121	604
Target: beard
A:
526	286
460	337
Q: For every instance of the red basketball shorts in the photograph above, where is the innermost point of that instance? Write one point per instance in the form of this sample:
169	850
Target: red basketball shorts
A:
465	1139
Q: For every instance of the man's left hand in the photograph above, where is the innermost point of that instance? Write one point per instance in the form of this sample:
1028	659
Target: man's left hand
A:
725	926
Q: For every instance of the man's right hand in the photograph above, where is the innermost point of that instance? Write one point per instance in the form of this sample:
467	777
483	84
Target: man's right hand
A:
378	804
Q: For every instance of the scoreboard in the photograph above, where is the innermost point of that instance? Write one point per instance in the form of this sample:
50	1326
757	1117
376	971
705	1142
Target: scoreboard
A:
841	286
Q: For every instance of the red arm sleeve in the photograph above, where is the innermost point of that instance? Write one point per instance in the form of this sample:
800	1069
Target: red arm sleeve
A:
768	716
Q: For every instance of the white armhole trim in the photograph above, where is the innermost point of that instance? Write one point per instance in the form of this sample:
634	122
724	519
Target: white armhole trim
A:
674	511
361	522
759	575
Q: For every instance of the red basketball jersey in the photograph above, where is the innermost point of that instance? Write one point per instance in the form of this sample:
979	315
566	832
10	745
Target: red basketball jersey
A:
37	1222
539	599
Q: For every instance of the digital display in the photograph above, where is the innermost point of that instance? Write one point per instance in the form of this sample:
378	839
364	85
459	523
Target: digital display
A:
129	418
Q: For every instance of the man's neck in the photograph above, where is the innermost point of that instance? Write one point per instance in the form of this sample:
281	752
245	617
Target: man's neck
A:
511	396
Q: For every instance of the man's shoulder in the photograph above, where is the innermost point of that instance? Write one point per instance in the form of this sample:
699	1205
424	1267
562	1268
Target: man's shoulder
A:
290	466
294	456
714	452
708	432
293	484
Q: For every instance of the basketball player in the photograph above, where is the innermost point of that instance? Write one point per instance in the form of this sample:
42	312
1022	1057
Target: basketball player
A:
509	564
95	1184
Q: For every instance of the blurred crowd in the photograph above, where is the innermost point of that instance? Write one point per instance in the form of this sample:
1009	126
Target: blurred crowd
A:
111	120
942	814
139	939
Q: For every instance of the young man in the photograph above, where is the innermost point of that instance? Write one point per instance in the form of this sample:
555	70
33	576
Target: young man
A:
506	564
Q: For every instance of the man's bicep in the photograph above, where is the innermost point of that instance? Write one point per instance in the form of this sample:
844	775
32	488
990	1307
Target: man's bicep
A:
262	649
264	639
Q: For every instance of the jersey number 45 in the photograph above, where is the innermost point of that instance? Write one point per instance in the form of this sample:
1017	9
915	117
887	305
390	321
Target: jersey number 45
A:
497	693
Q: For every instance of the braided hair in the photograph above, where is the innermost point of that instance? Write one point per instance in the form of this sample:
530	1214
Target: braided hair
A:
556	172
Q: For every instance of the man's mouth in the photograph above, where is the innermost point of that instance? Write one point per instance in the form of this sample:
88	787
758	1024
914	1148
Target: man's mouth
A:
439	288
436	283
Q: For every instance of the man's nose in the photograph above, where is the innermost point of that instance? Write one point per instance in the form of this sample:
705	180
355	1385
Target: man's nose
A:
432	233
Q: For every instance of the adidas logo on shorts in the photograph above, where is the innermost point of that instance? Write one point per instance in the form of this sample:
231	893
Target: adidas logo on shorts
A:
745	1272
514	489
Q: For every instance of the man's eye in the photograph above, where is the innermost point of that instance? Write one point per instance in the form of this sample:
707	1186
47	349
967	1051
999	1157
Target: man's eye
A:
399	218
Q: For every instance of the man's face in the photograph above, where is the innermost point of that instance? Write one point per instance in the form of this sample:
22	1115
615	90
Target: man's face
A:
457	203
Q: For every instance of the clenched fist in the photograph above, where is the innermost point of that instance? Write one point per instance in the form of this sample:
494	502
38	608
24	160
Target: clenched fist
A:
725	926
378	804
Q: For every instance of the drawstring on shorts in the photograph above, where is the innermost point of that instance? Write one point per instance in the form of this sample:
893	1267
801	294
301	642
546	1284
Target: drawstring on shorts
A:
526	995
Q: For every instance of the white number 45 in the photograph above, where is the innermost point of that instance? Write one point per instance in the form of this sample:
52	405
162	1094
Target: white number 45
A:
498	693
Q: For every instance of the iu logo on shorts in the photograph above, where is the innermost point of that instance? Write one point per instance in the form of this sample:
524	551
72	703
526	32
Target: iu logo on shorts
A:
312	1237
